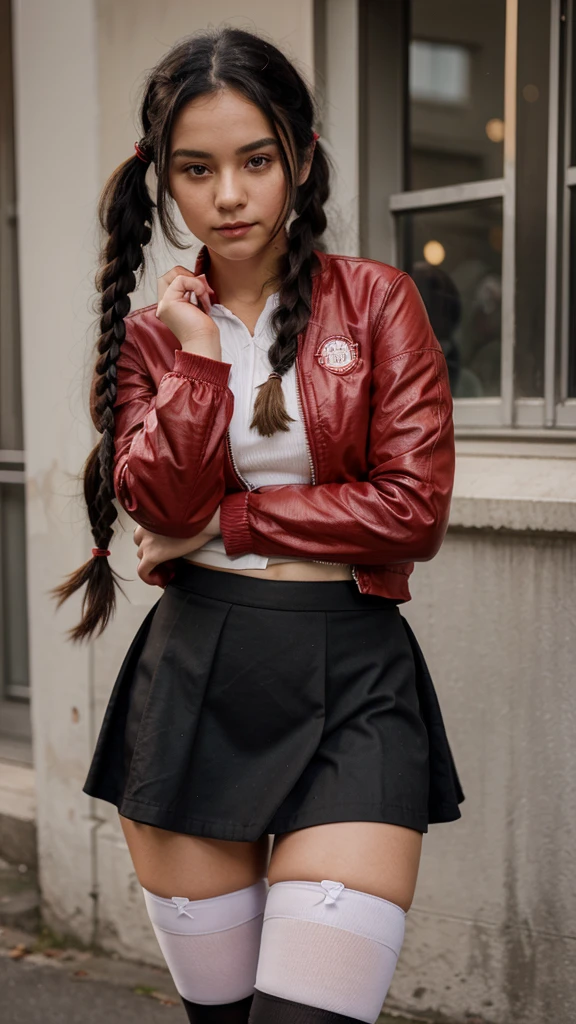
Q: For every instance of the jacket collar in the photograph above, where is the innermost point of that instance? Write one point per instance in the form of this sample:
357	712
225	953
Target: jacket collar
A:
202	266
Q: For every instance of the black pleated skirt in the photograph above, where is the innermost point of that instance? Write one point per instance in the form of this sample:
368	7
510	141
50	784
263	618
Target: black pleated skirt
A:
247	706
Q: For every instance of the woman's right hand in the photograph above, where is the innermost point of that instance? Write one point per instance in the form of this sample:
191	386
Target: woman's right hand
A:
157	554
190	323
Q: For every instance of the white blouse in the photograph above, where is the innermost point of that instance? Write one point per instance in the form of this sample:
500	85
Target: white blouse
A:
280	459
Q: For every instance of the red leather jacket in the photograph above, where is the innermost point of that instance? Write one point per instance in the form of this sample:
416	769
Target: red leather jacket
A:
376	404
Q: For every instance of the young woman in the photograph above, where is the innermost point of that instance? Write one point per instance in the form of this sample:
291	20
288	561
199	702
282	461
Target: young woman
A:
280	428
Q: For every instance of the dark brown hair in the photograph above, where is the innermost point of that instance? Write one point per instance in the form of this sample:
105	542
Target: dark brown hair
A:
200	64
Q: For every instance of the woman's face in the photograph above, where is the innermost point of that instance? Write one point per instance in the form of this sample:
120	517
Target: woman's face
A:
225	168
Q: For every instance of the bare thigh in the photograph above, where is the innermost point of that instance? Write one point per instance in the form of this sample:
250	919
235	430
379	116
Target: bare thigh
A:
370	856
171	864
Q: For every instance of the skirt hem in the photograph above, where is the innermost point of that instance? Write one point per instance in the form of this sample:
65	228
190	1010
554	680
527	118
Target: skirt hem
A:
392	814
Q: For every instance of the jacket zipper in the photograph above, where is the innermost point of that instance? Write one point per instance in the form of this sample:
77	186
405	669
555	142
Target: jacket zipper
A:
312	469
310	459
239	477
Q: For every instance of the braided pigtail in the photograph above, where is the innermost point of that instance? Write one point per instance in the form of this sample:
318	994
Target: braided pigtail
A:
196	66
293	311
125	212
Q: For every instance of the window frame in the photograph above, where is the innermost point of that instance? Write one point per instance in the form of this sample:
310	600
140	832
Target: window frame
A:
565	174
554	414
12	459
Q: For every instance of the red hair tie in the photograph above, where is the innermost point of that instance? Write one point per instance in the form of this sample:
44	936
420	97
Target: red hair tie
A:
100	551
316	136
141	154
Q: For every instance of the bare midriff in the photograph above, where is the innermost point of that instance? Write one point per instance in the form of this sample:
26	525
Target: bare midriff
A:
292	571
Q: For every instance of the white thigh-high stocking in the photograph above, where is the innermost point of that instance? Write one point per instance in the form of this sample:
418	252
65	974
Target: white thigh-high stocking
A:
327	954
211	947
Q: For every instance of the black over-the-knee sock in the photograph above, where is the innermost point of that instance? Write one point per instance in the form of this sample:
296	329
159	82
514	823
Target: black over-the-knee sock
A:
268	1009
226	1013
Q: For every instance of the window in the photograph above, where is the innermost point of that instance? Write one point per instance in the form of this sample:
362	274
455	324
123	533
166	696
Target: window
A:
568	205
439	73
468	182
14	681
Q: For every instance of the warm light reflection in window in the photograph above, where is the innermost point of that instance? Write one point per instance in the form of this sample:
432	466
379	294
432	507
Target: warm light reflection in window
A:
531	93
434	253
495	129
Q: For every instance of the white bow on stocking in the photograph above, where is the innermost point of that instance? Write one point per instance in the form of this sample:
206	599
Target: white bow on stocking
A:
332	890
181	902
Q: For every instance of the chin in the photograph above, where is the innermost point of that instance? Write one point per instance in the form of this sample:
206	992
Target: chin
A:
236	248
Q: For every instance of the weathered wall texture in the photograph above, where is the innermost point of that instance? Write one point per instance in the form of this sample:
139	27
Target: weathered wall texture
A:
493	924
56	119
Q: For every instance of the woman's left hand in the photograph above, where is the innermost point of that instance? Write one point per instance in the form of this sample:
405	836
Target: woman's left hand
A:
155	550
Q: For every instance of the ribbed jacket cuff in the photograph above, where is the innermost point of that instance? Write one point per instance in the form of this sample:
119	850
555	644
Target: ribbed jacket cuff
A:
191	364
234	523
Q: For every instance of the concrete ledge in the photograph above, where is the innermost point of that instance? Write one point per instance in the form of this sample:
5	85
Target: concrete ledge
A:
17	814
530	488
19	897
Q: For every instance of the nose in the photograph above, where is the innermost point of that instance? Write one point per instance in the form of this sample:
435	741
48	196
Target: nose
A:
230	193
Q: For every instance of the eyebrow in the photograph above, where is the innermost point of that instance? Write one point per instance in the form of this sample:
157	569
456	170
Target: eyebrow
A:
201	154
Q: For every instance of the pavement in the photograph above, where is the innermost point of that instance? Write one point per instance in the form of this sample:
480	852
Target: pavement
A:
42	984
31	993
43	981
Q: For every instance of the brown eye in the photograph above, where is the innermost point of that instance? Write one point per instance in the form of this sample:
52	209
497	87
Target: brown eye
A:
261	157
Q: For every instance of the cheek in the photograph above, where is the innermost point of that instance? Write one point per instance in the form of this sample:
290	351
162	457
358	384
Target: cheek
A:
192	203
270	193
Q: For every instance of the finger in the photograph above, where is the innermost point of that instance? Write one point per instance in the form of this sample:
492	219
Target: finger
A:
150	573
202	277
166	280
143	569
169	276
138	532
208	297
183	284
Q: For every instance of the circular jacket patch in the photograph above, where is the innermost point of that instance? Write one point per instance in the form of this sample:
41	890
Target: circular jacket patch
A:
338	354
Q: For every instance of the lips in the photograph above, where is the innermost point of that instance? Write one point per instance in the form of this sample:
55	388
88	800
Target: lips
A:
234	230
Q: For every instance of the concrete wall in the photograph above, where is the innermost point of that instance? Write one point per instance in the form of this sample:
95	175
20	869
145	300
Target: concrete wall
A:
57	161
491	930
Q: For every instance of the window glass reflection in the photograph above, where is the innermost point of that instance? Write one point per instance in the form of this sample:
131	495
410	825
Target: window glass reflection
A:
572	299
456	92
572	108
531	196
439	73
572	260
13	582
455	258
